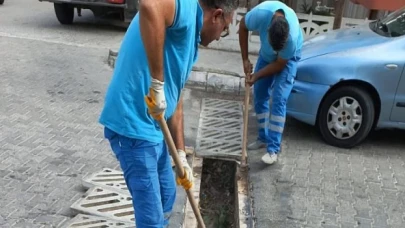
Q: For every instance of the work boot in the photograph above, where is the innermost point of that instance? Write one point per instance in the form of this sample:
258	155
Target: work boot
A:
256	145
269	158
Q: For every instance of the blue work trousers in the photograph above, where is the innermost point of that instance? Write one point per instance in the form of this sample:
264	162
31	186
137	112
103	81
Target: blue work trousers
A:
274	89
149	176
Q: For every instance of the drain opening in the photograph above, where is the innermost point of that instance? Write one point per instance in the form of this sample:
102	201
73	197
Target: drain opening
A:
217	193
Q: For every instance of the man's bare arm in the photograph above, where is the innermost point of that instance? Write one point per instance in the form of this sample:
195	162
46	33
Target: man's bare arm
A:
176	126
154	17
243	39
271	69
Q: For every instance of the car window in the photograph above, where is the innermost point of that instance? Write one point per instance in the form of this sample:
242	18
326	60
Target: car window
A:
396	26
392	25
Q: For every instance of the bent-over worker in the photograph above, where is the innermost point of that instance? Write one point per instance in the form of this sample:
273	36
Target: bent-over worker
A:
281	41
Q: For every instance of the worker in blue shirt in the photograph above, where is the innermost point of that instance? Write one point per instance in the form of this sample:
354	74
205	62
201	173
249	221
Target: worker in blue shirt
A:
281	41
153	64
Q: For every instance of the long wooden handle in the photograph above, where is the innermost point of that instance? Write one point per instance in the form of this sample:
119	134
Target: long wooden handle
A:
245	125
180	170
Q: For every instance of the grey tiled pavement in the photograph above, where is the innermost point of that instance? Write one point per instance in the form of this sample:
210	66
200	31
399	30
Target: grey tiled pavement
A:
50	99
49	139
316	185
49	136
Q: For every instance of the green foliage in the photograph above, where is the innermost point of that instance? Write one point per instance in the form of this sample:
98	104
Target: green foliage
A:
306	8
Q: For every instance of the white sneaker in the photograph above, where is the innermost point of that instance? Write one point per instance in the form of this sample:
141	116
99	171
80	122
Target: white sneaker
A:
269	158
256	145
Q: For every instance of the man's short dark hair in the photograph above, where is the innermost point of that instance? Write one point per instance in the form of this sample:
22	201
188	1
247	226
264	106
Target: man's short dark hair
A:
278	32
226	5
280	11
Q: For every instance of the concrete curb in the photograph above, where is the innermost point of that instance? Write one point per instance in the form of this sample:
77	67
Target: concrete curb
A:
206	79
214	81
243	216
190	220
223	46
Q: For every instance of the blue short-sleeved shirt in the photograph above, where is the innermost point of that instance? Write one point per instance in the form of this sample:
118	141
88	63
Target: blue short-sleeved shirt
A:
259	19
125	111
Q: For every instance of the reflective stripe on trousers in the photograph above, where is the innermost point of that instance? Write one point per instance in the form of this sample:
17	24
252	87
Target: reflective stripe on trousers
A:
262	123
271	118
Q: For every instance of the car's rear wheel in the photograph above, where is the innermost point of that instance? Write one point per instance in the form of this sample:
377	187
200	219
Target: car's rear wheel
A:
64	13
1	2
346	117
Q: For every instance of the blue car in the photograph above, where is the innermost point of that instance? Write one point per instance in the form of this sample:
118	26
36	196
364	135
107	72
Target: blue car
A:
351	81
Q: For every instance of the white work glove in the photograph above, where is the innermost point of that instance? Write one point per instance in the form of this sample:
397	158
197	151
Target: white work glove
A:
187	170
156	101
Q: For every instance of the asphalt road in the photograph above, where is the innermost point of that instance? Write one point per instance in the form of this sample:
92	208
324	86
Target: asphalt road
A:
36	20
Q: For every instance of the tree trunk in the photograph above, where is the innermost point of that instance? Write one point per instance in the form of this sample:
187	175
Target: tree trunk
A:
339	6
288	3
373	14
251	3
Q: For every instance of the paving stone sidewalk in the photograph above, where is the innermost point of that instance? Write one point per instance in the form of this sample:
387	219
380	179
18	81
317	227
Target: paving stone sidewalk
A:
51	98
52	95
316	185
49	136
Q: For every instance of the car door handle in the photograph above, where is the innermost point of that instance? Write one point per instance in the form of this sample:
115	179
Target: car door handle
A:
391	66
401	104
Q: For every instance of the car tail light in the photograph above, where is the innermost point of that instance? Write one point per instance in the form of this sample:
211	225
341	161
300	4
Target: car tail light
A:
116	1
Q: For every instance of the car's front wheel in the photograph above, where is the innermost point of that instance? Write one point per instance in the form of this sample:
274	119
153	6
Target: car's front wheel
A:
64	13
1	2
346	116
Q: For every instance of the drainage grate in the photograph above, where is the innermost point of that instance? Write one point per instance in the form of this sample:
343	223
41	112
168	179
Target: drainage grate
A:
219	134
219	148
220	128
221	109
213	123
90	221
106	203
108	179
221	104
221	114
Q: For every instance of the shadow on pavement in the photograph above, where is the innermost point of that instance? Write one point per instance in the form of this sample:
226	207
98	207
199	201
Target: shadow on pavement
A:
90	23
388	138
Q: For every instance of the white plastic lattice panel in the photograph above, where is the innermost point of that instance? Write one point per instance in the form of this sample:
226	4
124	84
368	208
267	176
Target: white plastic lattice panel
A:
90	221
108	179
222	135
221	114
219	148
229	125
220	128
221	109
216	104
106	203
